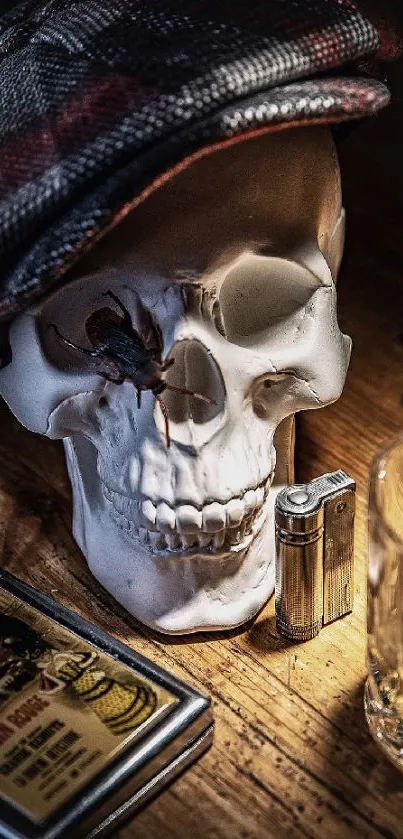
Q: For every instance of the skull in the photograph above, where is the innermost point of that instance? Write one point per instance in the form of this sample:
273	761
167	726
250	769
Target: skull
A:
227	272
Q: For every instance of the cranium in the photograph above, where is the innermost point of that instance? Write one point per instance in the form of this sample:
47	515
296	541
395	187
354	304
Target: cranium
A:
235	257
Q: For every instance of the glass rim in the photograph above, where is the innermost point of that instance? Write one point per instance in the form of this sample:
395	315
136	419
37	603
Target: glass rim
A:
374	506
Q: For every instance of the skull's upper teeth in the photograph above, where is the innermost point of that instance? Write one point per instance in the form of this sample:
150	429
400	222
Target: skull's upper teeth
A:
184	527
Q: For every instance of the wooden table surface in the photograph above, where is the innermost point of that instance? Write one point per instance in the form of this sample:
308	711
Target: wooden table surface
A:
292	756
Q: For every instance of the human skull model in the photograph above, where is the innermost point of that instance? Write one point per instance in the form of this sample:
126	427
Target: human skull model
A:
233	261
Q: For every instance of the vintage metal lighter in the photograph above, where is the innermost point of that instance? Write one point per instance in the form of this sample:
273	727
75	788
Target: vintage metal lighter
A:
314	554
89	730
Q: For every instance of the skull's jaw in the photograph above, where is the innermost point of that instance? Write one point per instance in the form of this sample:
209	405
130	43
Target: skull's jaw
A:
190	591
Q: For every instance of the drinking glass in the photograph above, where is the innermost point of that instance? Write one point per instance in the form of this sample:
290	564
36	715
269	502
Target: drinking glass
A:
384	688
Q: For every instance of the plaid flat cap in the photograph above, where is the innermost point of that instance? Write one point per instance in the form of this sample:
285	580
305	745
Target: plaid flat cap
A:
102	100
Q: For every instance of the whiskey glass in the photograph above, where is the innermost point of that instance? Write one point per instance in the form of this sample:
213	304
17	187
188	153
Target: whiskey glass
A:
384	687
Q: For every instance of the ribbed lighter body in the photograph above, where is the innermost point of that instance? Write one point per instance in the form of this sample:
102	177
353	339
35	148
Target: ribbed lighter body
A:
314	554
299	575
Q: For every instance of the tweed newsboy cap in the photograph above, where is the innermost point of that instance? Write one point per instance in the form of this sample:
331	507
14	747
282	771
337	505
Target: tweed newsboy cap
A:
102	100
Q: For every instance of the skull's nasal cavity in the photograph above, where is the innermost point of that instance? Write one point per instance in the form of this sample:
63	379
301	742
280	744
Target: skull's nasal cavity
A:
194	370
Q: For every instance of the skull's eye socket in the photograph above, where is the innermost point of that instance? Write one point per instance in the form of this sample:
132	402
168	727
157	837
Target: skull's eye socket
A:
262	293
84	325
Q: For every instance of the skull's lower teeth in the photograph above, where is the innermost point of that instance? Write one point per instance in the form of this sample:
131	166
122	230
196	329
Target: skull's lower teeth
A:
232	538
227	538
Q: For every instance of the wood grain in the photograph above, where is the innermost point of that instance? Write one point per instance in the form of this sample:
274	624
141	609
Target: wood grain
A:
292	757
